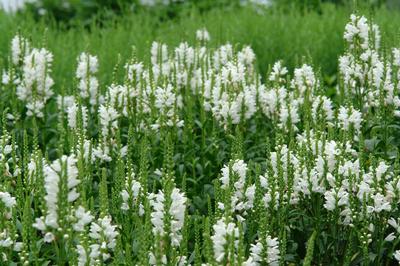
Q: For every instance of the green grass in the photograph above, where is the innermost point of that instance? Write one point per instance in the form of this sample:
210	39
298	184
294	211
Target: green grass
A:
293	37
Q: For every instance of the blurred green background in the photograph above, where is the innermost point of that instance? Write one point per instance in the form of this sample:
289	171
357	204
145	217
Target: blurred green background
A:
86	10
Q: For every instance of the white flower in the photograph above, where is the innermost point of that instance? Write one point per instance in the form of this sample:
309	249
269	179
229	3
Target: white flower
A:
380	203
381	170
177	212
65	101
322	105
130	194
87	82
246	56
94	253
304	78
272	253
82	255
108	120
102	152
153	260
35	87
350	116
222	55
397	255
238	167
83	219
51	184
278	72
157	216
64	168
390	237
159	59
221	231
6	242
18	246
396	56
7	199
39	224
35	108
72	115
335	199
250	195
105	235
19	46
5	78
168	101
392	222
357	28
49	237
202	35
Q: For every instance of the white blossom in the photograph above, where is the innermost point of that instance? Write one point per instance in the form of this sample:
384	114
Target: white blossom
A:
202	35
7	199
222	230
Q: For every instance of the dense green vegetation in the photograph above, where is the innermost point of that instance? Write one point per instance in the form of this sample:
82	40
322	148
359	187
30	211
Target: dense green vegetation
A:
200	134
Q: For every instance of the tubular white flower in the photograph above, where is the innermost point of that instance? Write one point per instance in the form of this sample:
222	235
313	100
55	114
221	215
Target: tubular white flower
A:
334	199
104	230
278	72
238	167
357	28
233	179
304	78
176	212
19	46
380	203
246	56
103	235
396	255
157	216
159	60
82	255
83	218
51	184
350	116
108	120
39	224
168	102
222	55
53	175
118	96
49	237
130	195
72	116
322	106
221	231
184	58
202	35
5	239
87	81
35	87
7	199
257	250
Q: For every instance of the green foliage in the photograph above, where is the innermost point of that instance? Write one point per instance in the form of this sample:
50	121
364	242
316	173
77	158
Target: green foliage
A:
71	12
284	161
